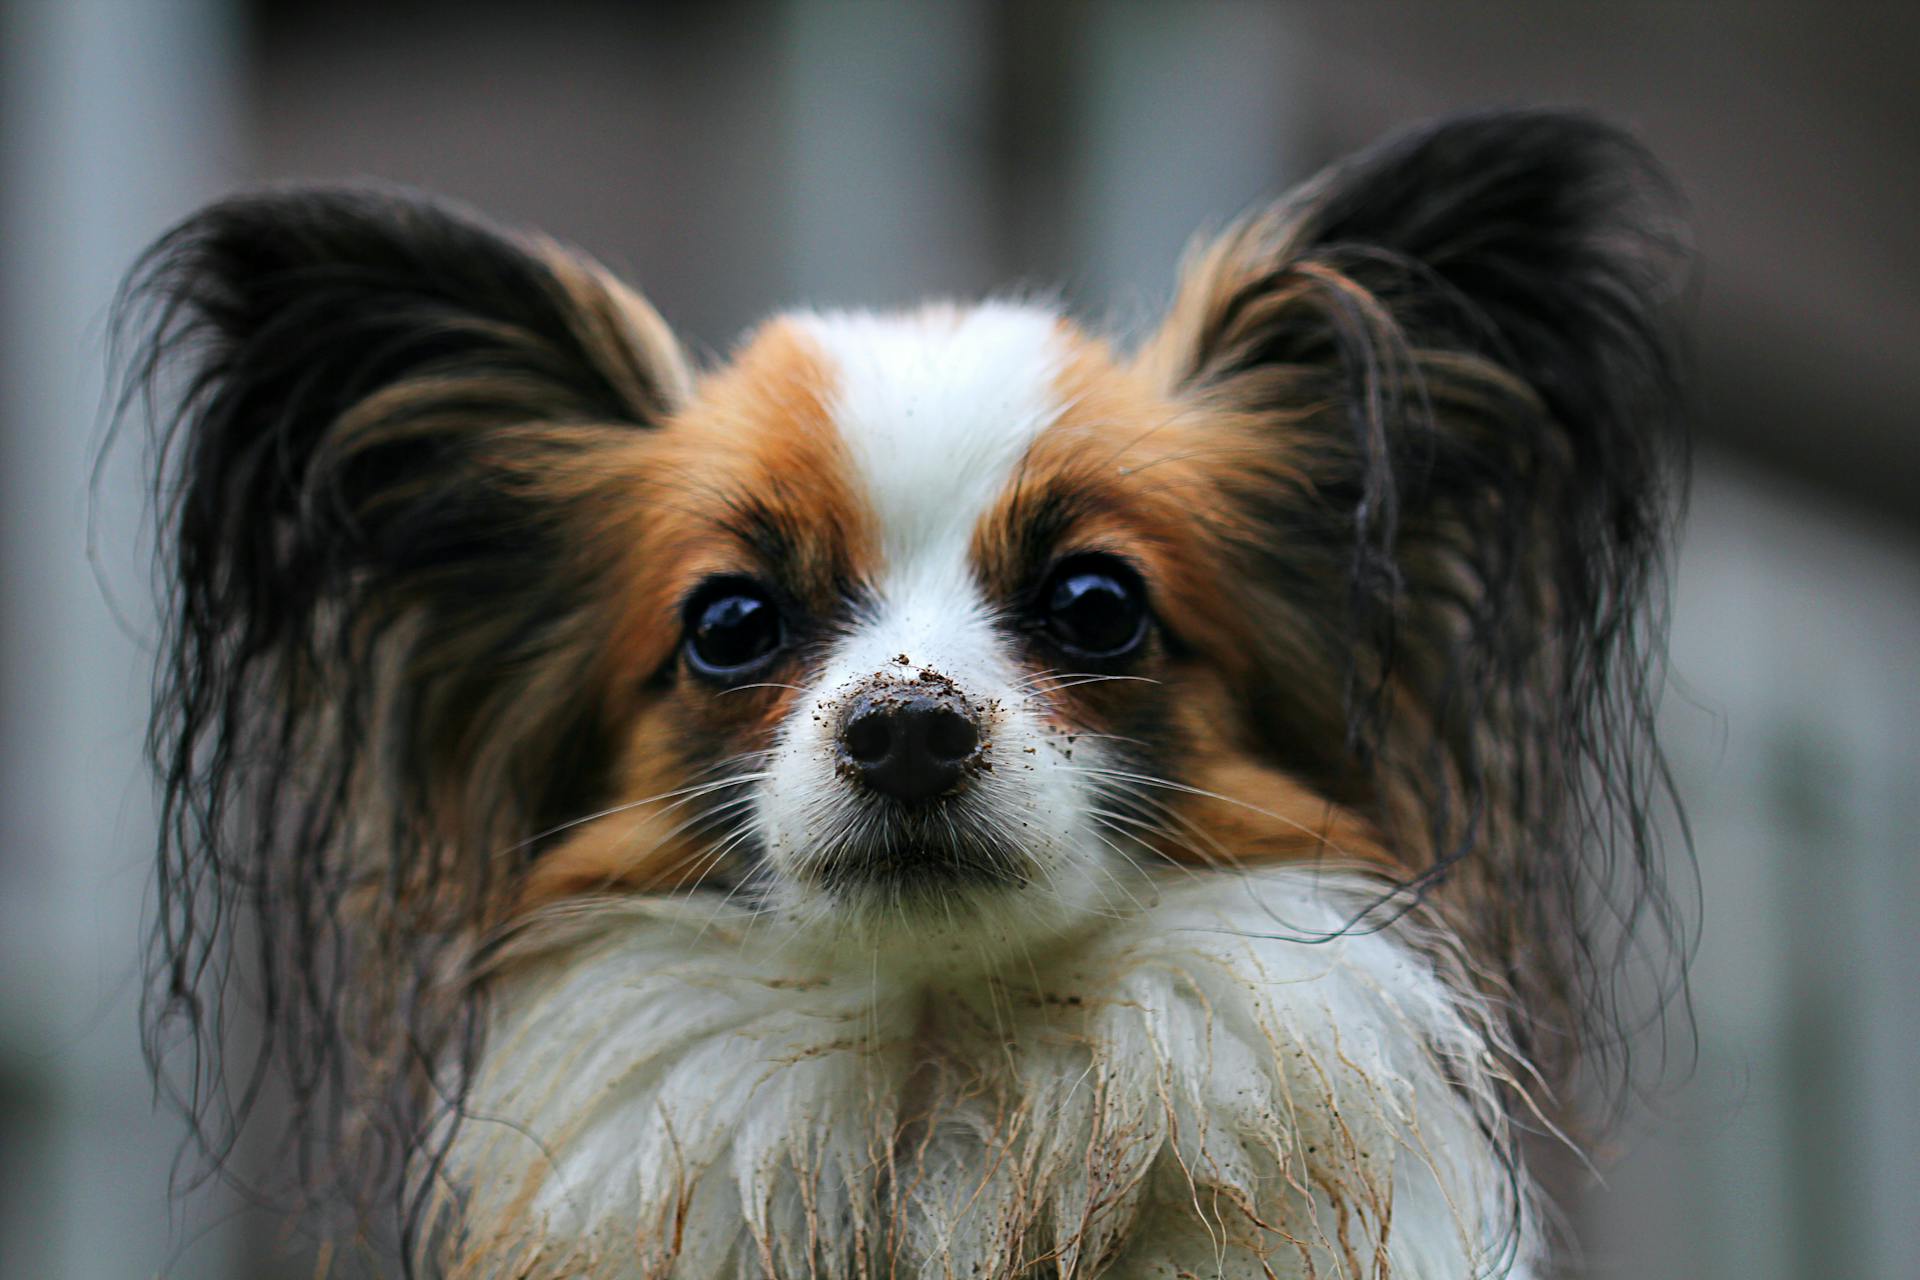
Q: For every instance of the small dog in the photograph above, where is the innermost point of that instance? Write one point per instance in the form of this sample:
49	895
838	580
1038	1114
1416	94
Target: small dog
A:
938	794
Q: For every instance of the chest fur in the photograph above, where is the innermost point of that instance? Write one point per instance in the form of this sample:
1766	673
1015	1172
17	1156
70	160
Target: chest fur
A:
1214	1087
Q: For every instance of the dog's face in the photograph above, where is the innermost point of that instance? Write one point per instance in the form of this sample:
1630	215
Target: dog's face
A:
925	625
488	606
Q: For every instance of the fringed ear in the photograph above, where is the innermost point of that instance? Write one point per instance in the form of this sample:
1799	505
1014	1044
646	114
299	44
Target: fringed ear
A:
1460	344
384	604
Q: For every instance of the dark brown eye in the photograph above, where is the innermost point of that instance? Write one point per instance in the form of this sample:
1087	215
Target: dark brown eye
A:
733	629
1094	606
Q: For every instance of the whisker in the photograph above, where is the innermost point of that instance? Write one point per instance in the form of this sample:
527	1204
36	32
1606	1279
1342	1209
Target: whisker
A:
686	793
1113	879
1212	858
707	815
1073	679
1167	784
1216	854
712	858
1089	736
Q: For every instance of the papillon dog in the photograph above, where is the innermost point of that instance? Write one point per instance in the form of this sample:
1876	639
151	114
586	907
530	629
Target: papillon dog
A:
940	793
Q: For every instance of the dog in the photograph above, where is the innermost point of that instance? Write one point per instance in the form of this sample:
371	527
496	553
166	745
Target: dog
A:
937	794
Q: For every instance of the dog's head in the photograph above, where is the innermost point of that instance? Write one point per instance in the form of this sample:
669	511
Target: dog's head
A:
958	622
936	621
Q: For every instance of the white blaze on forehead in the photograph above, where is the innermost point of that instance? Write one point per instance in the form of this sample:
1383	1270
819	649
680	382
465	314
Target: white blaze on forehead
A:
937	408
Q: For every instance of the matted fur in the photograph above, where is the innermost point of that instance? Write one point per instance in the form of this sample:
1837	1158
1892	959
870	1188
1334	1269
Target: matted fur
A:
384	604
1224	1085
1398	473
1466	335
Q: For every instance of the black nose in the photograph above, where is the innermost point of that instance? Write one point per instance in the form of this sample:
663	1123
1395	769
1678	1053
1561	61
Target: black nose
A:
908	745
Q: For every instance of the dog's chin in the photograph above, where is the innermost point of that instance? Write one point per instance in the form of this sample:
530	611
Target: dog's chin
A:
919	869
900	885
905	884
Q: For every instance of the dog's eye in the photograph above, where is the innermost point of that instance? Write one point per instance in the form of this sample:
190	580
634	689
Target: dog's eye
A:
1094	606
733	629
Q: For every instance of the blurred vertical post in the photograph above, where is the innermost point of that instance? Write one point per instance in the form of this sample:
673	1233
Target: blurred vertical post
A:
115	118
1190	114
890	185
1792	1150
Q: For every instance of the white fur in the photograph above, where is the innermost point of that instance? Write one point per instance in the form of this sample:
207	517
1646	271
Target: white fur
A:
936	409
1095	1073
1203	1090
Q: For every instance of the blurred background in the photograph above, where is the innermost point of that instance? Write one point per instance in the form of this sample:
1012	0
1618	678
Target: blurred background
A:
733	158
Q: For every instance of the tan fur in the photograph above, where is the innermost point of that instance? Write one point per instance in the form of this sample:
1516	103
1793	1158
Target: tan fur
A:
755	435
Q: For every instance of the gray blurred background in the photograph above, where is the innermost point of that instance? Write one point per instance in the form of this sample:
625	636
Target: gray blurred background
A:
733	158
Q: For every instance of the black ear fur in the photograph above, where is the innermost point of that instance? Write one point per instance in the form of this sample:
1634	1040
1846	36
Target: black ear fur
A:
376	387
379	602
1463	340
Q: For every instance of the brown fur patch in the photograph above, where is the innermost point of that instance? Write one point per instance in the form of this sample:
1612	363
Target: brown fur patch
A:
1128	471
750	479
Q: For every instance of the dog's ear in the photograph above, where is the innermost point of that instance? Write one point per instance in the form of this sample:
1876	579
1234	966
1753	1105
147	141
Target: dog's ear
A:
1459	344
386	523
372	555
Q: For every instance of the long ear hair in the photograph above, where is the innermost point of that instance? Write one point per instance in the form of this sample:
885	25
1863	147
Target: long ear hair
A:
377	427
1462	339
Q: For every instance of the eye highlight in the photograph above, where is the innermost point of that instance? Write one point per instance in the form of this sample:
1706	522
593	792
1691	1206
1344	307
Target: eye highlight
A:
733	629
1093	606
